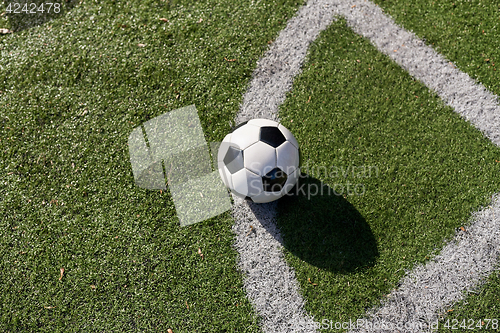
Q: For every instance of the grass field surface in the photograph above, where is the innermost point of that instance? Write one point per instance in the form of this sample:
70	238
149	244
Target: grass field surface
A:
432	172
70	96
84	249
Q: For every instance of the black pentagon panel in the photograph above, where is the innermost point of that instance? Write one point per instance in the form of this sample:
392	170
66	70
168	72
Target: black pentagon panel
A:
272	136
274	180
234	159
238	126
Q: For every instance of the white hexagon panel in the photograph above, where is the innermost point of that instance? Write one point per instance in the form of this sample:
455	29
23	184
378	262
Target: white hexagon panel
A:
246	183
224	146
266	197
245	135
259	160
287	156
226	176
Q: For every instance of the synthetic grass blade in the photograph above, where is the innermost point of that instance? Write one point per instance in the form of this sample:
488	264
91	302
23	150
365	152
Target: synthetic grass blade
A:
457	89
270	283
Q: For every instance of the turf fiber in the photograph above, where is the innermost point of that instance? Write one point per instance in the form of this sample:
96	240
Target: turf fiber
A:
434	169
73	88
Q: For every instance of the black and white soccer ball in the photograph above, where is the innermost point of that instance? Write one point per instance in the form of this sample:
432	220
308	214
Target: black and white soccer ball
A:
259	160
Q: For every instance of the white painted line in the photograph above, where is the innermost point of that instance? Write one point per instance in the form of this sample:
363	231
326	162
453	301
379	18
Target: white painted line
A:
429	289
473	254
456	88
275	72
270	283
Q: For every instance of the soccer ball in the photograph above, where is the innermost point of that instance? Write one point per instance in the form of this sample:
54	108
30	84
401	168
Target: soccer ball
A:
259	160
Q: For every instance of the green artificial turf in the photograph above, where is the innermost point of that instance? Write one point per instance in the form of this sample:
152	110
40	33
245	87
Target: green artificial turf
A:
24	14
71	92
4	21
480	311
352	107
466	32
